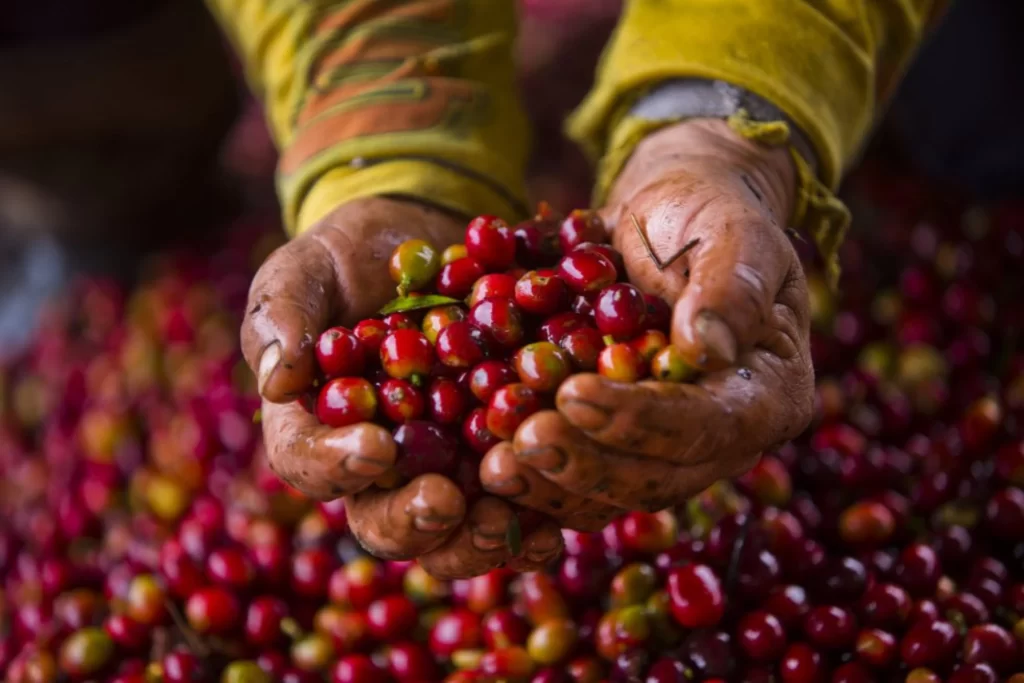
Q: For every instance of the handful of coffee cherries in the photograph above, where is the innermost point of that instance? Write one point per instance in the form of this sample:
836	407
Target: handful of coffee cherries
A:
481	336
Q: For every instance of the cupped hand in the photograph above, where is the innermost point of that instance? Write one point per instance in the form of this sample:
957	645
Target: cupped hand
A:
336	273
711	206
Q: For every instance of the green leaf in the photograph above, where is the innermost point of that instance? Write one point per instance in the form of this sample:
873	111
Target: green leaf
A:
414	303
514	537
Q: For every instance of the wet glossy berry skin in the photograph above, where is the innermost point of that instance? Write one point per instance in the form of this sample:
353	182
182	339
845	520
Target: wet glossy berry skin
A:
696	595
659	313
583	346
761	636
213	610
447	401
399	321
557	326
830	627
371	334
668	366
456	279
619	311
413	265
438	318
649	343
491	242
500	320
929	643
476	433
400	401
346	401
607	251
407	354
489	376
580	227
541	292
461	345
621	363
340	353
509	407
493	286
542	366
585	271
422	448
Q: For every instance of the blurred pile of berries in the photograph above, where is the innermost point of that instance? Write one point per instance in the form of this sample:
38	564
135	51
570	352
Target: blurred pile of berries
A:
142	539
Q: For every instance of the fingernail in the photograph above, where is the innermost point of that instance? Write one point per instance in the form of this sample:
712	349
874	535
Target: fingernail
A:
268	363
543	555
431	525
717	336
514	487
487	541
585	415
547	459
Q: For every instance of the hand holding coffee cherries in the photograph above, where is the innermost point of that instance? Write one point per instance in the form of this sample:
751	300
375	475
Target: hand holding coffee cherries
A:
337	272
698	216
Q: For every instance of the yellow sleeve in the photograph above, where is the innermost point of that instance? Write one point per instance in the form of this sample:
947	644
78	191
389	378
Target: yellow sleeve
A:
827	64
411	98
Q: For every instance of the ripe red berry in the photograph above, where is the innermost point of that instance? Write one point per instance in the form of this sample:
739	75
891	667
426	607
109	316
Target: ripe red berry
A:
461	345
229	567
509	407
621	363
399	321
929	643
407	354
409	662
992	644
696	596
620	310
391	618
830	627
586	271
213	610
436	319
370	334
877	648
476	433
448	401
127	634
541	292
493	286
802	664
400	401
356	668
557	326
761	636
918	570
584	346
579	227
542	366
488	377
345	401
422	448
311	571
263	621
649	344
340	353
457	278
606	250
459	629
499	319
491	242
659	313
180	667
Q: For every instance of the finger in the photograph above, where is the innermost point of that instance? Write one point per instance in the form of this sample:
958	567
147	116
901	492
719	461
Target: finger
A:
482	543
321	462
291	301
621	479
502	474
404	523
540	549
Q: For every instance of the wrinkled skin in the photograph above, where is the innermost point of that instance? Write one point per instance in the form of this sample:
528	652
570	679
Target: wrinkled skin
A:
740	314
336	273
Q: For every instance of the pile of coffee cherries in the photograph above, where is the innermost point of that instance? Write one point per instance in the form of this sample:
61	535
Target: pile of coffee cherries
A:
476	343
144	540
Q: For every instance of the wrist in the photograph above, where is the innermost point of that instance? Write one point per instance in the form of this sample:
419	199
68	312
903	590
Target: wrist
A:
768	170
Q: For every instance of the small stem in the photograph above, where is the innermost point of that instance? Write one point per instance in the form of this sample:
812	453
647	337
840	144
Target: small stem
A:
191	639
659	264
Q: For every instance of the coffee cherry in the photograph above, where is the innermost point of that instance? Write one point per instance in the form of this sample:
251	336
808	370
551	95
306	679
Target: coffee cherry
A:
542	366
128	634
399	321
340	353
458	629
312	652
244	672
423	448
461	345
413	265
370	334
212	610
146	601
436	319
311	571
918	570
885	605
180	667
86	652
400	401
509	407
537	242
580	227
356	668
649	344
867	523
475	432
668	366
1004	514
345	401
458	277
619	311
499	319
406	354
552	641
492	286
761	636
488	377
491	242
557	326
801	664
586	271
391	618
607	251
929	643
696	595
541	293
229	567
447	400
410	663
876	648
830	627
621	363
263	621
659	313
991	644
583	346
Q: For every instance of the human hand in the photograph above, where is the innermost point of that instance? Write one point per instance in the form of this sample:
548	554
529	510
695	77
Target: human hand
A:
336	272
740	316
